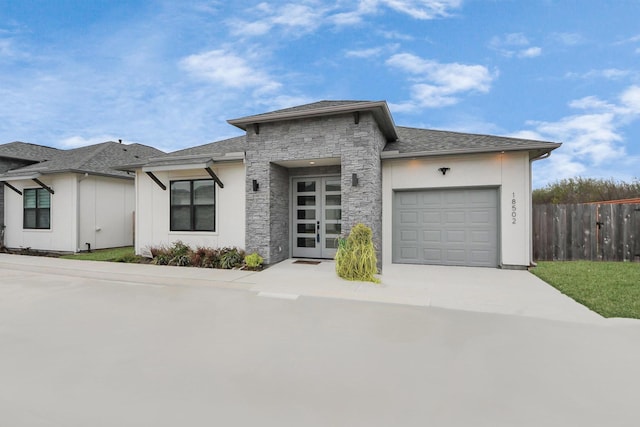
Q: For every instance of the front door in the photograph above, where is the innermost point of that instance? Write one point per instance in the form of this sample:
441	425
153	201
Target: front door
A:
317	216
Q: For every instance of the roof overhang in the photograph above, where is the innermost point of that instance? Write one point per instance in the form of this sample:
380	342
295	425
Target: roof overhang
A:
159	164
379	109
534	151
24	177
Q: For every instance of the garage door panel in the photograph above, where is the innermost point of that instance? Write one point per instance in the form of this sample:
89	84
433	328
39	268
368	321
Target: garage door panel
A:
454	217
431	256
457	256
455	236
432	236
408	199
454	198
481	217
430	199
448	227
410	218
431	217
409	253
479	236
409	236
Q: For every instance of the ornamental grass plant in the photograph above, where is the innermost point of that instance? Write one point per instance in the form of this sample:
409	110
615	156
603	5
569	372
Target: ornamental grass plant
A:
356	255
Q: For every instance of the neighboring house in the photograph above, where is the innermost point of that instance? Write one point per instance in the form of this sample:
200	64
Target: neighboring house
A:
303	176
19	154
75	200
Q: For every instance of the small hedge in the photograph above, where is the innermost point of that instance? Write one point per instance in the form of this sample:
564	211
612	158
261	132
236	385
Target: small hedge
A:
182	255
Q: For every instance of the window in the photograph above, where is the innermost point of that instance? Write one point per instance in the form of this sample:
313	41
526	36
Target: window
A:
193	205
37	209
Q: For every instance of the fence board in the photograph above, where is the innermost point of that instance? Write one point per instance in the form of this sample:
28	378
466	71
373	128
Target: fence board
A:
608	232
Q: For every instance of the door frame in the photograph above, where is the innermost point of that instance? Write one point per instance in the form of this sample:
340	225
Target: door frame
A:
324	253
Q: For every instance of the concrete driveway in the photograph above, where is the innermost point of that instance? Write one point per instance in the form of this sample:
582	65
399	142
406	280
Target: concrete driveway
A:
95	344
485	290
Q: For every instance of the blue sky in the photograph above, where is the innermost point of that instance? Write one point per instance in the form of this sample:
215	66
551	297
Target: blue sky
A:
170	73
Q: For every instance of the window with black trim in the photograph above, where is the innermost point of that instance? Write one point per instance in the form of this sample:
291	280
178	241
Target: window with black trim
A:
193	205
37	209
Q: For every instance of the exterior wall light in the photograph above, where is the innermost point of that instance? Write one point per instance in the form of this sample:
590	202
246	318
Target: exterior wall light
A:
255	185
354	179
444	170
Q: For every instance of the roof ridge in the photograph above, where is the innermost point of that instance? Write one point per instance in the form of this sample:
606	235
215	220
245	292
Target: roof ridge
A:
99	148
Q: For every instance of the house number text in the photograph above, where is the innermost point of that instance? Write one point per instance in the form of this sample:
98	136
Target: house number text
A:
514	209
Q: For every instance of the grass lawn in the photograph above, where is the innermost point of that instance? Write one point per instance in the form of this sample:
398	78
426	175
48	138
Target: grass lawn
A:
125	254
611	289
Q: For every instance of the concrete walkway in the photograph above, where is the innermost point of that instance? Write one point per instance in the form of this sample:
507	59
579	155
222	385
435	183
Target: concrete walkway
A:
460	288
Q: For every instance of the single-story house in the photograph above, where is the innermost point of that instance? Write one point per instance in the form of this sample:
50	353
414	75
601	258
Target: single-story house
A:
73	200
301	177
19	154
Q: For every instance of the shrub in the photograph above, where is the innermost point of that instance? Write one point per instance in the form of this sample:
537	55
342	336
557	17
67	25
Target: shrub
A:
182	255
253	261
161	255
356	255
231	258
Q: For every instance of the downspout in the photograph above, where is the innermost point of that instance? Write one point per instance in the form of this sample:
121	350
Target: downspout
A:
543	156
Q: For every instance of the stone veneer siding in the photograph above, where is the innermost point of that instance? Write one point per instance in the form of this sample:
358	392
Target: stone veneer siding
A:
357	146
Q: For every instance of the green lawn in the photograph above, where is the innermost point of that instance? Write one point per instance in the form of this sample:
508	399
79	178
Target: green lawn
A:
125	254
611	289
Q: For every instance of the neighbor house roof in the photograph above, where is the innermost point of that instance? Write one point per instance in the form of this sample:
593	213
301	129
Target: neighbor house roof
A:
98	159
414	142
231	149
379	109
27	151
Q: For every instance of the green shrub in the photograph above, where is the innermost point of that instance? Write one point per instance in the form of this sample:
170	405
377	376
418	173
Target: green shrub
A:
231	258
356	255
253	261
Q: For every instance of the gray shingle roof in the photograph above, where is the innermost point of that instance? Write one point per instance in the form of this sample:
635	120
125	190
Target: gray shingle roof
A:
26	151
438	142
200	154
99	159
231	145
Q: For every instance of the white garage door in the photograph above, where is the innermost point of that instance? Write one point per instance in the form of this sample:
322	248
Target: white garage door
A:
446	227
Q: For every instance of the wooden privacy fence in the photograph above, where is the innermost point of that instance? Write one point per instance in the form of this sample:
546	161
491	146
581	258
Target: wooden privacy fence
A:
597	232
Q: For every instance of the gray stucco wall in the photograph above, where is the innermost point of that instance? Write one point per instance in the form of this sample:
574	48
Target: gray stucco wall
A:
357	146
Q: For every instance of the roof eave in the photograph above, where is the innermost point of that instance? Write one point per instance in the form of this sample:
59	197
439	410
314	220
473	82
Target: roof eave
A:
539	150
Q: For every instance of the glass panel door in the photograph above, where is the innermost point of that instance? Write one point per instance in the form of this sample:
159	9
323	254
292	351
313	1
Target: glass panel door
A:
317	216
332	216
306	221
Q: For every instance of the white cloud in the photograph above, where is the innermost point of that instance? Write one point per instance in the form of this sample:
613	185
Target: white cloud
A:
568	39
304	17
395	35
439	84
593	142
607	73
423	9
228	69
631	99
514	44
364	53
530	52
